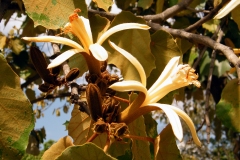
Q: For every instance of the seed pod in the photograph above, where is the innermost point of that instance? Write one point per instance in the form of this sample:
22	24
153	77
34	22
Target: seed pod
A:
40	65
94	100
118	130
72	74
111	109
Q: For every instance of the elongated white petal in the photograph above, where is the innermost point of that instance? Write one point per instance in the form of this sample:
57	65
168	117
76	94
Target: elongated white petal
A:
87	27
63	57
54	39
228	8
189	122
173	119
121	27
170	67
125	86
133	60
98	52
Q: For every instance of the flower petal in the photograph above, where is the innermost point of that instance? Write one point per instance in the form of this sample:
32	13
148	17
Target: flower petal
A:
63	57
98	52
170	67
228	8
189	122
125	86
133	60
121	27
54	39
87	27
173	119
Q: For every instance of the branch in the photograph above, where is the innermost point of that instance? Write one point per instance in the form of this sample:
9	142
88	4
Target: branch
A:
195	38
51	96
170	12
156	18
206	18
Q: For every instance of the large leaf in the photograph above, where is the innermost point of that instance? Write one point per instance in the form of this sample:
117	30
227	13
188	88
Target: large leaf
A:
53	14
104	4
136	42
140	149
145	4
88	151
166	147
228	108
98	25
80	129
16	114
57	148
124	4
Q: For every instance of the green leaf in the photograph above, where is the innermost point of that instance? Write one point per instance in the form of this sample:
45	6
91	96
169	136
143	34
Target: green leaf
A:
236	15
124	4
16	114
211	25
145	4
136	42
118	148
88	151
140	149
220	67
167	147
163	47
53	14
159	6
228	108
104	4
57	148
98	25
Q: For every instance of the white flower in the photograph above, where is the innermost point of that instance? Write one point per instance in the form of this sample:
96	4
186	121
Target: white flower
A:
173	77
80	27
228	8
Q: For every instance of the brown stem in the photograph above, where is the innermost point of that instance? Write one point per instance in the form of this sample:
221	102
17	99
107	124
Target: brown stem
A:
92	137
140	138
107	144
132	112
51	96
93	64
170	12
121	99
208	94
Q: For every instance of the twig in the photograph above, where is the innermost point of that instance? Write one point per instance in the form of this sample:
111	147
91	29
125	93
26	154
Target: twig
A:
211	14
170	12
30	80
50	96
203	50
108	142
92	137
197	11
195	38
140	138
156	18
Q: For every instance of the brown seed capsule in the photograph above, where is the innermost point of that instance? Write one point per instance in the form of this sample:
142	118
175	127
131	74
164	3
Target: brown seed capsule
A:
73	73
118	130
94	100
111	109
100	126
40	65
